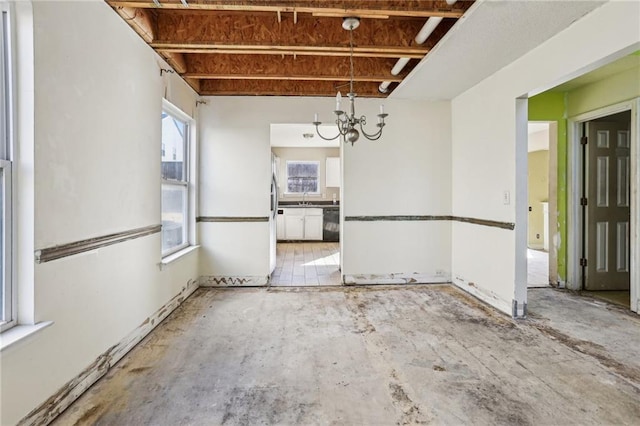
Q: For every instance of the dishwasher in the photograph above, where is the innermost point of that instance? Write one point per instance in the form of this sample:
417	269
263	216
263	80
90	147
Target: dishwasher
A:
331	224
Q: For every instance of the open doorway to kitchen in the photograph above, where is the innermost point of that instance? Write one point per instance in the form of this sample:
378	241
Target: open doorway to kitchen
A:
541	187
307	264
306	224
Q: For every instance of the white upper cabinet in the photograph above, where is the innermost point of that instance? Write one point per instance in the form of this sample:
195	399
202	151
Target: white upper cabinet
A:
332	172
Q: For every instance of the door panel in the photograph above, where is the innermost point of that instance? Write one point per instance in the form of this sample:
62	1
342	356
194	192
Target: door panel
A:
607	213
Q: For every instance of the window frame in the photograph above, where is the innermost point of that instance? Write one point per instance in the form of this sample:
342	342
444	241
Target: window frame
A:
185	184
8	284
317	163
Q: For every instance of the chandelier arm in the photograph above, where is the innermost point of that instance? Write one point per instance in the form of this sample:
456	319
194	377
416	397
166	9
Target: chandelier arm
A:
372	137
325	138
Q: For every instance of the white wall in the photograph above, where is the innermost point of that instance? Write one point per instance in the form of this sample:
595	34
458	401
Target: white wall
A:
487	146
97	96
404	173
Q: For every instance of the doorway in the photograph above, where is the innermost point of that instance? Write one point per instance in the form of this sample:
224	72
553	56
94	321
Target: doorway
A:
606	207
307	264
542	195
306	220
604	179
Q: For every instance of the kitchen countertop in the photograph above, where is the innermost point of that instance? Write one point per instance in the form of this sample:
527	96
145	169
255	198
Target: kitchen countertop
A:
317	205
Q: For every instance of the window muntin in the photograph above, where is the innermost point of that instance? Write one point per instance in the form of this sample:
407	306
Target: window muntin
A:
175	183
303	177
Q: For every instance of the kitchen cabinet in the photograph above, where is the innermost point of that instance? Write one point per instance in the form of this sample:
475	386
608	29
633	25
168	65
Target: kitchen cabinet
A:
332	172
313	224
294	224
302	224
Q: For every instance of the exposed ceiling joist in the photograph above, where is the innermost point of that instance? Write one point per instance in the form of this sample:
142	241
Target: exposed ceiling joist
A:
365	9
289	77
362	52
288	47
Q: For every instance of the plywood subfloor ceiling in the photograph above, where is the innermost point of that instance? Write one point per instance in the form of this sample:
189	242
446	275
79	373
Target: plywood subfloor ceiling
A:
287	47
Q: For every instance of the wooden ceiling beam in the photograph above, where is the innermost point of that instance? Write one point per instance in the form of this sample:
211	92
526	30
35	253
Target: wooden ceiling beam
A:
378	78
140	20
143	23
176	60
371	9
285	88
359	52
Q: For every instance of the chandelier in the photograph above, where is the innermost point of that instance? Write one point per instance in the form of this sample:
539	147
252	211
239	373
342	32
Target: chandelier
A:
347	122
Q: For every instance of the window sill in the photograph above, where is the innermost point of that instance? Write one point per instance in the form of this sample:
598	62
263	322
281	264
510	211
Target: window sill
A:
20	332
177	255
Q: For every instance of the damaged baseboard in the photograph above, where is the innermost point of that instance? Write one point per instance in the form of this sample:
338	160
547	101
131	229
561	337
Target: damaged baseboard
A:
233	281
486	296
397	278
46	412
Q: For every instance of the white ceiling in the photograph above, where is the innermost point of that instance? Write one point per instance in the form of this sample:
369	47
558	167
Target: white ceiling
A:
291	135
491	34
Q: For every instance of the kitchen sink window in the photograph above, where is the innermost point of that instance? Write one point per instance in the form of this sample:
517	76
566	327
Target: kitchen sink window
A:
303	177
175	179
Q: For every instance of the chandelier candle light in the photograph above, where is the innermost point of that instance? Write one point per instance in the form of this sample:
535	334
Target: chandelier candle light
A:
347	122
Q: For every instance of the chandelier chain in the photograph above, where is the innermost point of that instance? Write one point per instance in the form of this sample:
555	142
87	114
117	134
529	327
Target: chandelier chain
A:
351	58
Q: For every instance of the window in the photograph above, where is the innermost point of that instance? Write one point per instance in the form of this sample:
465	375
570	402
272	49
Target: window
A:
7	290
175	180
303	176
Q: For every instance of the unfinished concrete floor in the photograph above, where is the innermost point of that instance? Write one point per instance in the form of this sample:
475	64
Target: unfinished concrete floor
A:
402	355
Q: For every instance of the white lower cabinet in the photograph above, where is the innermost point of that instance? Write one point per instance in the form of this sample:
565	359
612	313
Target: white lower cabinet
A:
302	224
313	225
293	227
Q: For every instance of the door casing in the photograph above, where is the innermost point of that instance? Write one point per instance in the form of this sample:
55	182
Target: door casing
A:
575	225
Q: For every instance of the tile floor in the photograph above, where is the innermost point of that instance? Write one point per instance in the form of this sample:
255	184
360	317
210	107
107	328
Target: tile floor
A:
537	268
307	264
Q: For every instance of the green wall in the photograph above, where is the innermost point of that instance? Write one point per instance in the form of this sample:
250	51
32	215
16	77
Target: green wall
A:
610	91
552	106
558	106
